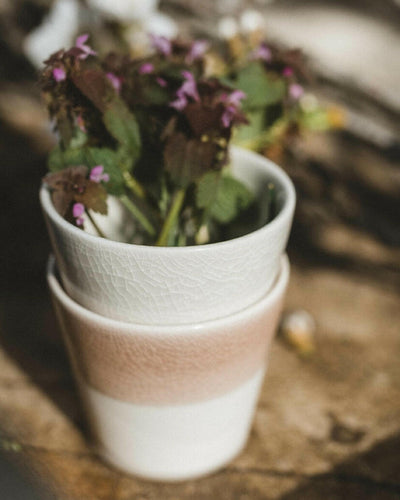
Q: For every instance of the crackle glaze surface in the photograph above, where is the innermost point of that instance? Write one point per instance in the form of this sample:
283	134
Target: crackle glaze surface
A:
150	285
170	364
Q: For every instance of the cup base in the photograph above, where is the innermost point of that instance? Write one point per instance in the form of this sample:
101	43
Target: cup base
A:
172	442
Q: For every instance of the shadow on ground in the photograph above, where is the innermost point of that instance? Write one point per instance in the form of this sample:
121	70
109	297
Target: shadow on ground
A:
28	330
370	476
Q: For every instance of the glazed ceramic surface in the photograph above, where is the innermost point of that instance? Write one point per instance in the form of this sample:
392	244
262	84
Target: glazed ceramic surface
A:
161	286
170	402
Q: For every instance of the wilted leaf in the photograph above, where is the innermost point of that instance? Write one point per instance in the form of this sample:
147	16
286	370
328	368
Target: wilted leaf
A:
93	84
187	159
203	119
94	197
64	185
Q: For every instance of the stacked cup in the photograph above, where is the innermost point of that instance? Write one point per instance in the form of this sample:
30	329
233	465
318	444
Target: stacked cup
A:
169	345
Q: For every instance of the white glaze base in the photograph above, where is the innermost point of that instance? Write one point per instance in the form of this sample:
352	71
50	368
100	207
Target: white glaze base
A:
172	443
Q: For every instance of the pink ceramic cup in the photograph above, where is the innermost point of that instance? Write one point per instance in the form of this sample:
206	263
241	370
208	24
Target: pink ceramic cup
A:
170	402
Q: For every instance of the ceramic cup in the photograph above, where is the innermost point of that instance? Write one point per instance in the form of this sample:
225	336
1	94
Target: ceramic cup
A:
170	402
179	285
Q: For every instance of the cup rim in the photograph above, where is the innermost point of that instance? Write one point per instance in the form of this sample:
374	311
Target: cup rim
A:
285	213
124	327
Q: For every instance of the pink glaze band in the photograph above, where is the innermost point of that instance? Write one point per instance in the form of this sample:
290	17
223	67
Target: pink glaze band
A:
168	364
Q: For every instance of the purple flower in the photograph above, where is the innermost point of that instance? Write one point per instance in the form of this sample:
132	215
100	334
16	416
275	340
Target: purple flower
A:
188	89
232	102
161	82
196	50
161	44
97	174
295	91
180	102
78	209
287	71
86	50
115	81
59	74
146	68
262	52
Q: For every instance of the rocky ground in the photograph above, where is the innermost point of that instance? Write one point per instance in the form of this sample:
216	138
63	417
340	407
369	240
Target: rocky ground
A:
328	424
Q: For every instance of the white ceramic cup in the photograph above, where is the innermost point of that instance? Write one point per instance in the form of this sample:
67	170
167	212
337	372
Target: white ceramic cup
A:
170	402
178	285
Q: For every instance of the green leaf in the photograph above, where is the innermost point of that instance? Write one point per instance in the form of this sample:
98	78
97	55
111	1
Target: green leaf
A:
315	120
255	127
90	157
223	196
59	158
261	88
110	161
122	125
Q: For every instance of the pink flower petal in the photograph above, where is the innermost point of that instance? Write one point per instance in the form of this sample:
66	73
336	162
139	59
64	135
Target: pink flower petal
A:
59	74
146	68
80	44
81	40
161	82
78	210
115	81
189	87
197	49
233	103
179	103
97	174
295	91
262	52
287	71
161	44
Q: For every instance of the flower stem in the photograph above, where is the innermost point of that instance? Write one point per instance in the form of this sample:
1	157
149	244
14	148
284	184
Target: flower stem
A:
94	224
134	185
173	213
138	215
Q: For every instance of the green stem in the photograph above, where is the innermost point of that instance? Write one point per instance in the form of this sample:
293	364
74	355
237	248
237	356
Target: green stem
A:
134	185
138	215
94	224
173	213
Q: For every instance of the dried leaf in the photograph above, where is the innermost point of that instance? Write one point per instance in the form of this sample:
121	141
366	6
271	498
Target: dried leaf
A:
188	159
94	197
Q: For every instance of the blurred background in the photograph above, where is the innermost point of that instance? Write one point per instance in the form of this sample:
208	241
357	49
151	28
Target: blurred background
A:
328	423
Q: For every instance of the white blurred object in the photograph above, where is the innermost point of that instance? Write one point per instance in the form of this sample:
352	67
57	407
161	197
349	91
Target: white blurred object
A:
227	27
298	329
251	20
56	32
125	10
137	34
161	25
308	102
